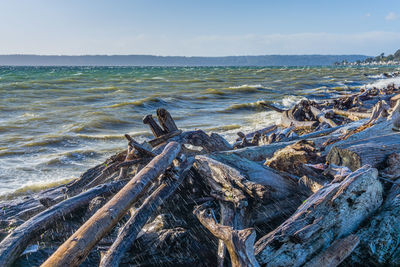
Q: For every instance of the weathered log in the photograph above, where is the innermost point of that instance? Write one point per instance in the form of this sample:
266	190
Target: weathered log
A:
253	179
292	156
154	127
166	121
380	238
336	253
276	210
270	106
163	138
319	115
334	211
227	219
210	143
262	132
287	121
372	151
238	242
352	114
132	228
141	150
319	133
76	248
105	169
16	242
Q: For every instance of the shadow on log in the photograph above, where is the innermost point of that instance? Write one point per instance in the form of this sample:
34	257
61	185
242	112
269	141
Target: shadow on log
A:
16	242
334	211
77	247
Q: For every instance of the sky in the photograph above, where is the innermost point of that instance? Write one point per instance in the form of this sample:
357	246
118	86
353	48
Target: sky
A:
199	28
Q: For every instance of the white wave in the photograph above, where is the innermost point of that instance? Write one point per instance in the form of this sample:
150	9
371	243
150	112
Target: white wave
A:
246	86
253	123
290	101
377	76
380	84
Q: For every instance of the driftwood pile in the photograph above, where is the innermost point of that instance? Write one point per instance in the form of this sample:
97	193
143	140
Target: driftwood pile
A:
319	188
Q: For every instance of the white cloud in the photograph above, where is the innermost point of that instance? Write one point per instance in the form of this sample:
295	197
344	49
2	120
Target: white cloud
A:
391	16
368	14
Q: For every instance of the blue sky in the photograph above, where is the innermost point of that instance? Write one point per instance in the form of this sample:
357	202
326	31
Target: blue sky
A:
199	28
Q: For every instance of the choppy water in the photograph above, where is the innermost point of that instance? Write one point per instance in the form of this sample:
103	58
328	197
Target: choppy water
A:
58	121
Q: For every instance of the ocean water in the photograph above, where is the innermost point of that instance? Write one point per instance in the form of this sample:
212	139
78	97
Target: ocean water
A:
56	122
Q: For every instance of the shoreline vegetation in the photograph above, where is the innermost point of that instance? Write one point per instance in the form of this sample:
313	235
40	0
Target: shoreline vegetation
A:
381	60
318	188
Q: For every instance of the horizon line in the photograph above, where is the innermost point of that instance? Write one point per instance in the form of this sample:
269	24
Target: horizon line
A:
82	55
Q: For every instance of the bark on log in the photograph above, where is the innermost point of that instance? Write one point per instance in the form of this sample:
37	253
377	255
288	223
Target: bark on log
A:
331	213
16	242
239	243
134	225
166	121
77	247
336	253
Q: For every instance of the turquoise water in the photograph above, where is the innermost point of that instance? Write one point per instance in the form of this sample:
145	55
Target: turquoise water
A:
58	121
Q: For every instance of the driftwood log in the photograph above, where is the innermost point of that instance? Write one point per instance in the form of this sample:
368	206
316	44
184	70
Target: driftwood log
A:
336	253
331	213
380	238
132	228
76	248
238	242
16	242
319	115
372	151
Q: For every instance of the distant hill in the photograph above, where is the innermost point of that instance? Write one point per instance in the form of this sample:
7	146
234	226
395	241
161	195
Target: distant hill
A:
147	60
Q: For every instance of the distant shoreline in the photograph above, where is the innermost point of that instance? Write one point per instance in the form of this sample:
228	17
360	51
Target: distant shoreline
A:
175	61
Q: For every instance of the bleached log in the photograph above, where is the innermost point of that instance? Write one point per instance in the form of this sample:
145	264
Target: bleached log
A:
356	153
16	242
132	228
336	253
210	143
247	177
352	114
321	116
380	238
238	242
333	212
77	247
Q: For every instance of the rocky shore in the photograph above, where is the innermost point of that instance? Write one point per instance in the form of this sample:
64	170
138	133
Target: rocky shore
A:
318	188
